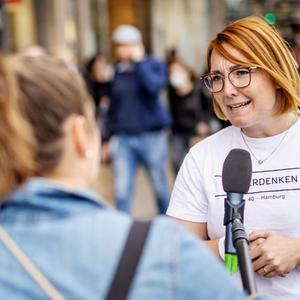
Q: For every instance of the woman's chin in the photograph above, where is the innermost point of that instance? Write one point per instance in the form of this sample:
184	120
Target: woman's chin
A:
239	122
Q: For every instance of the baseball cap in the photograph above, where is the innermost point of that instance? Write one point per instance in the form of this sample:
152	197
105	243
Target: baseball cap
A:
126	34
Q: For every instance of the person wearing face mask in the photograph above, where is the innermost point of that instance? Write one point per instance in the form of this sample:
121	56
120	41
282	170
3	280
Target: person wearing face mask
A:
254	82
191	110
137	119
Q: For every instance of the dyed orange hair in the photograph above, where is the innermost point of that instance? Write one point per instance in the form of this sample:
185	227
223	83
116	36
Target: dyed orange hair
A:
263	47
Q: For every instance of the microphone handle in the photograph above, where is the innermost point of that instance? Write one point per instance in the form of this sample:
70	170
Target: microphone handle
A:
240	242
245	266
233	205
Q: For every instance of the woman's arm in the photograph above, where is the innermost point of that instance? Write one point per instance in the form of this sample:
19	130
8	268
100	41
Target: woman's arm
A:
200	230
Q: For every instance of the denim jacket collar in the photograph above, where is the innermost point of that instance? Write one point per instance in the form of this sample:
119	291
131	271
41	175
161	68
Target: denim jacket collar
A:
45	194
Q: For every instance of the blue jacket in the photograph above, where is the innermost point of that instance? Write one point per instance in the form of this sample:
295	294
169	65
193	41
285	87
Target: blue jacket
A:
135	98
76	240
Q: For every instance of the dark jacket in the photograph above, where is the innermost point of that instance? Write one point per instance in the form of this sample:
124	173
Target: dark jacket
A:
187	110
135	105
98	90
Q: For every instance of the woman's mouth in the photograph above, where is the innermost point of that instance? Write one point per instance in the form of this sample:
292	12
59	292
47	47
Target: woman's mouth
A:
238	105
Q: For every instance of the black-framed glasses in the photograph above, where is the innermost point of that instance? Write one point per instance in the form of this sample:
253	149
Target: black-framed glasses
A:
239	77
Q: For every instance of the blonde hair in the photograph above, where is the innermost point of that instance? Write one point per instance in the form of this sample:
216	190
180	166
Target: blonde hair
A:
37	94
263	47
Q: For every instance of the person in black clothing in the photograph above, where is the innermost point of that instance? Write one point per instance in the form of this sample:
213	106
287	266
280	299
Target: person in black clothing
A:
98	78
191	109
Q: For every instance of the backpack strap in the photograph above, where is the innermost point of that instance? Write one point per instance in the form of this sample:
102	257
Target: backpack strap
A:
129	260
28	265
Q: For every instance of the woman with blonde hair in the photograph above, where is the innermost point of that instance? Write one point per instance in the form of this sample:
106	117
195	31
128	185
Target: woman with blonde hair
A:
58	240
254	83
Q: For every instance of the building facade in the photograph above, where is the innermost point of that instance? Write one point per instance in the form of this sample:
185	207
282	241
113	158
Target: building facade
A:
85	26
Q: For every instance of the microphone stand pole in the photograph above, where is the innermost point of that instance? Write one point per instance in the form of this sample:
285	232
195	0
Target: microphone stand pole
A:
234	218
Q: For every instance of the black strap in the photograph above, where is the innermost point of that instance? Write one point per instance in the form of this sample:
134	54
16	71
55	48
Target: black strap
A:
129	261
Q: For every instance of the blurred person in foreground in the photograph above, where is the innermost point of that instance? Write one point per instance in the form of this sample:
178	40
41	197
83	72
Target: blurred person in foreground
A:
191	110
49	156
137	119
255	85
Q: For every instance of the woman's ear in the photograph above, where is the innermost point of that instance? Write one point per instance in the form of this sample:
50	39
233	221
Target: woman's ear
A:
79	135
277	86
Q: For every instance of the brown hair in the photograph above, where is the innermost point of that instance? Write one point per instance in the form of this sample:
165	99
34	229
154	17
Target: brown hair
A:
263	46
36	96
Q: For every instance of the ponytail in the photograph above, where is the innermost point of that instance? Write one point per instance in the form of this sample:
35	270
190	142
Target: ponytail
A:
16	139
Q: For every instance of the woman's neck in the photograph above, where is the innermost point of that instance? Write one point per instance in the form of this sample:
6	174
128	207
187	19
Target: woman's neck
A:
277	126
70	182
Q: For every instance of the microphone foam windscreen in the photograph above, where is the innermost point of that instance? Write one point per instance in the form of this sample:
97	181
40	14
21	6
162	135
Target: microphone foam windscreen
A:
237	172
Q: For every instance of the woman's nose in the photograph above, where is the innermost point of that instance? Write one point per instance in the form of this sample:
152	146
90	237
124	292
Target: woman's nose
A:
229	89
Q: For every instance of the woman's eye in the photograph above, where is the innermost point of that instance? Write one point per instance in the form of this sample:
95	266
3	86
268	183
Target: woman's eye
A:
241	72
216	78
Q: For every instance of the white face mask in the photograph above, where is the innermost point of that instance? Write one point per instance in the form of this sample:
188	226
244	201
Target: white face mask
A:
177	79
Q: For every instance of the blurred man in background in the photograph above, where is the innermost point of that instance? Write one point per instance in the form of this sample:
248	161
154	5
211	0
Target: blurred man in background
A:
137	118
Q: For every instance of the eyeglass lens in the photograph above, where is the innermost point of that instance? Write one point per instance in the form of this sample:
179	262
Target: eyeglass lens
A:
238	77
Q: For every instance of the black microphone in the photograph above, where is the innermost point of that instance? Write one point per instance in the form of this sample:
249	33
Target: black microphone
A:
236	178
237	173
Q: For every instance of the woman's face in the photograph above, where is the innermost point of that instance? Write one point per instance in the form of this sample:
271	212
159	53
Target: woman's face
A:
178	75
100	70
253	107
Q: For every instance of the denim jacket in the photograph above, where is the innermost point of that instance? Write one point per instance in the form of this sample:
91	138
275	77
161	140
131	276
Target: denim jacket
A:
76	241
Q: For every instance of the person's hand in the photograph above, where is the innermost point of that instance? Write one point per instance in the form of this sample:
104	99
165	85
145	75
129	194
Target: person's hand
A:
273	254
255	243
137	52
105	155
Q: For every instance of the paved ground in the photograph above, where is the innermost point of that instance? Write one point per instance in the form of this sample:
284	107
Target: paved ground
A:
143	202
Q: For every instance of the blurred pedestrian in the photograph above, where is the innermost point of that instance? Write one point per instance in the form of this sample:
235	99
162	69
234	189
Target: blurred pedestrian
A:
191	109
98	74
137	118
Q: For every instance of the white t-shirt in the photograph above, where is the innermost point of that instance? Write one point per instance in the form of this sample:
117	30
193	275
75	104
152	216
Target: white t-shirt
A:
273	200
